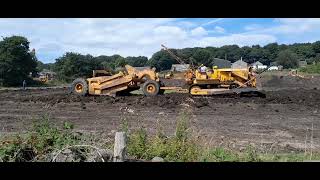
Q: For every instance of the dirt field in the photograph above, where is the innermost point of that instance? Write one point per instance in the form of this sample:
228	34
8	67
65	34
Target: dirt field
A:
284	120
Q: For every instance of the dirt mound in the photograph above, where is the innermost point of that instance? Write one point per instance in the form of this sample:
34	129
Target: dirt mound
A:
289	82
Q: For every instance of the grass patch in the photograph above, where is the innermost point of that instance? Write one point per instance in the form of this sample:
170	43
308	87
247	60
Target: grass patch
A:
311	69
43	139
183	147
56	82
179	147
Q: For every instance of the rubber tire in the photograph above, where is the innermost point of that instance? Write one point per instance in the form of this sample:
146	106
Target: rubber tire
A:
84	84
144	88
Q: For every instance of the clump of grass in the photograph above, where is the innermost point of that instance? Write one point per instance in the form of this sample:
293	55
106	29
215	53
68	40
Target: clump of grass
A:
137	143
183	147
177	148
251	155
124	126
311	69
219	154
43	138
56	82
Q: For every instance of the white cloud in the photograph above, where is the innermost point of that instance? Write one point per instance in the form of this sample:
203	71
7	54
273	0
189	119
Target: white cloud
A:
134	37
199	31
186	24
212	21
290	26
239	39
219	29
252	27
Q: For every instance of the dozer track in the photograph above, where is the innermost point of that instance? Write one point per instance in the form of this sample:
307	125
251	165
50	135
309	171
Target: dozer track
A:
243	92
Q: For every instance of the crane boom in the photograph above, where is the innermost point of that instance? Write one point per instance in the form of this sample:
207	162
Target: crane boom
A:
173	55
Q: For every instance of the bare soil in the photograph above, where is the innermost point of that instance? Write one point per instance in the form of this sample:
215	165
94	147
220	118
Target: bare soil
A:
283	121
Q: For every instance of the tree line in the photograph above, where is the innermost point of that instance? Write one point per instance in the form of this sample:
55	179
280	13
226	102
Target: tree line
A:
286	55
73	65
17	61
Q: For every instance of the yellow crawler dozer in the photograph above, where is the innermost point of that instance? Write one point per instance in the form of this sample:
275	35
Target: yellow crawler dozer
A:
222	81
123	82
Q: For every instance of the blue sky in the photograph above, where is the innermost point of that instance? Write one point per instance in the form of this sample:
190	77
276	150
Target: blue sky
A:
142	37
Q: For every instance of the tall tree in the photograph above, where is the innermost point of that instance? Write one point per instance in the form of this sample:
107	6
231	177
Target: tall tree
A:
288	59
16	61
73	65
202	56
137	61
161	60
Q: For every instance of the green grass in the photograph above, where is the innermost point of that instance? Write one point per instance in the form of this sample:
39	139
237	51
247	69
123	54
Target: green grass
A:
43	139
311	69
56	82
179	147
183	147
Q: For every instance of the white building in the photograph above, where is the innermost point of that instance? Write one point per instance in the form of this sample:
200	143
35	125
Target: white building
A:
258	65
273	68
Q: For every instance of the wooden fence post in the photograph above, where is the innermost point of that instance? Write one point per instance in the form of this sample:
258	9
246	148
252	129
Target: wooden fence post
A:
120	145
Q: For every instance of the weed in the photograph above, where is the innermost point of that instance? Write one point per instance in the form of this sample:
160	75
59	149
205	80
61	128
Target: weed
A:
251	155
67	125
219	154
311	69
124	126
176	148
42	139
137	143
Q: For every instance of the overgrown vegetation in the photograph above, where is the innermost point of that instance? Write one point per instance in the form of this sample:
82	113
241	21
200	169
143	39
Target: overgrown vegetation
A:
179	147
42	140
183	147
312	69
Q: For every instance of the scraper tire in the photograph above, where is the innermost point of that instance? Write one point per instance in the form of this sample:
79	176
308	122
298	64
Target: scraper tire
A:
151	88
80	87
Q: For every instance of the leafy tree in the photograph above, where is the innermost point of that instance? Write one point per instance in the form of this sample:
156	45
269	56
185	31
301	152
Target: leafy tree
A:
272	50
120	62
202	56
161	60
137	61
41	66
16	61
316	47
73	65
288	59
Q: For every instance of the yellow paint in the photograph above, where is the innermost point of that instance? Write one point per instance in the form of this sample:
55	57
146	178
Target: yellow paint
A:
222	78
108	85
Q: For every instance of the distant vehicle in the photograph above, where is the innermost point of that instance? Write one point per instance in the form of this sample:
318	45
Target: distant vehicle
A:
273	68
259	67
